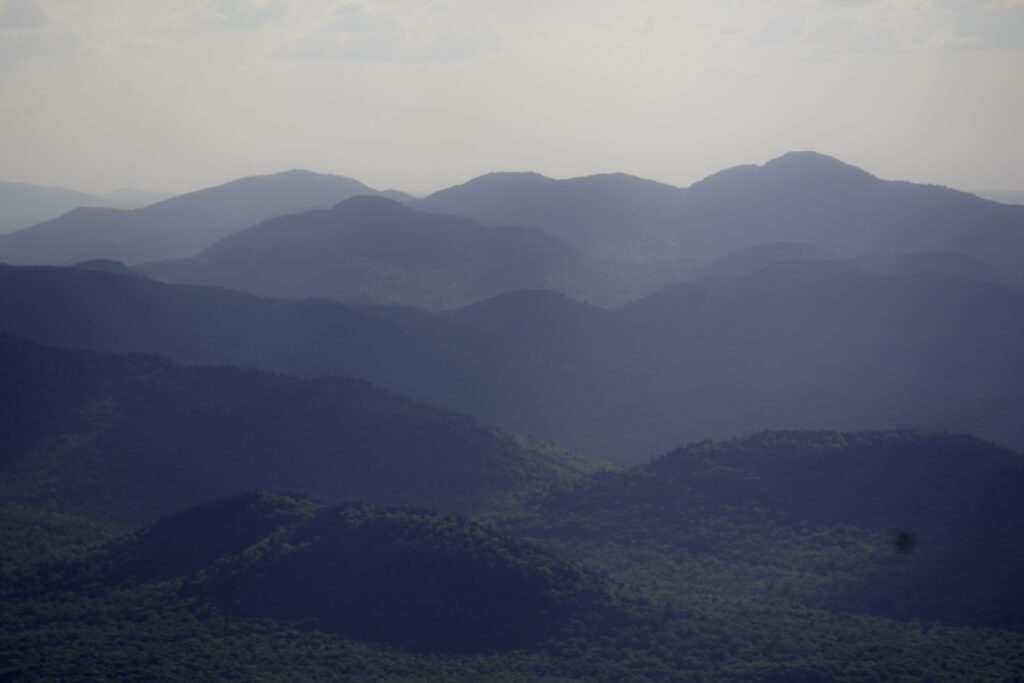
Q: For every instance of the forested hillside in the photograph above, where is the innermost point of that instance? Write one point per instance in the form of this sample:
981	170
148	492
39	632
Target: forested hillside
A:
900	524
261	587
127	437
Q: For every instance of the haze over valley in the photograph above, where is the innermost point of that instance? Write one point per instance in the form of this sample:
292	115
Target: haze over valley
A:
447	341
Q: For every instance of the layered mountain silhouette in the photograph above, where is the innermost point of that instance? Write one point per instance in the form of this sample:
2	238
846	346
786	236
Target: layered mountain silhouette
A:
811	198
603	213
108	266
129	437
801	197
901	524
177	227
376	250
606	239
748	260
612	315
813	344
23	205
759	256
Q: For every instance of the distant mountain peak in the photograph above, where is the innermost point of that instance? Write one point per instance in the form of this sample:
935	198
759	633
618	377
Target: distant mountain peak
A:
812	162
802	166
531	179
505	181
372	201
496	175
510	308
180	226
547	297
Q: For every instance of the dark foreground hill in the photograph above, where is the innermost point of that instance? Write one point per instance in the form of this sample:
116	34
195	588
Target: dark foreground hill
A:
408	577
268	588
899	524
177	227
128	437
809	345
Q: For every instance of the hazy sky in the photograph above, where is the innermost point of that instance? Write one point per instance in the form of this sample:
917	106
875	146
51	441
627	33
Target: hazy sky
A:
419	94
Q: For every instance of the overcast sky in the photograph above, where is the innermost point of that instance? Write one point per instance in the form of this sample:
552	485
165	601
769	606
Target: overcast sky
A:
173	95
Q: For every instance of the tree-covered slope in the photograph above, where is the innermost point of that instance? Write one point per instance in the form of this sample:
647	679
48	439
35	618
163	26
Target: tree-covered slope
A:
405	576
131	436
901	524
267	587
412	578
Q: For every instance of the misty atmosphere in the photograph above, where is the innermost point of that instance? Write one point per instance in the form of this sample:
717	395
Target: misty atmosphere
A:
438	340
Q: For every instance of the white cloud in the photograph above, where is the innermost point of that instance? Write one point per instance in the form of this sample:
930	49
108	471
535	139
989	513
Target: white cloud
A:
229	15
354	32
22	14
832	27
27	31
23	45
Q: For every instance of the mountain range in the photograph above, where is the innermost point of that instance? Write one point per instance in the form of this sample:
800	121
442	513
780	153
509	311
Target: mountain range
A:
177	227
609	240
901	524
246	433
374	250
23	205
806	344
256	585
604	213
800	197
130	437
606	239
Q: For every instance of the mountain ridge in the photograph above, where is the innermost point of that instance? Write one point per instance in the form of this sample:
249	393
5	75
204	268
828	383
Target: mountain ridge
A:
126	437
371	250
803	197
820	344
812	518
176	227
25	204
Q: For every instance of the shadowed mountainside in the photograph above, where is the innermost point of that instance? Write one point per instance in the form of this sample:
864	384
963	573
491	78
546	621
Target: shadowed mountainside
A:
255	585
128	437
900	524
811	345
